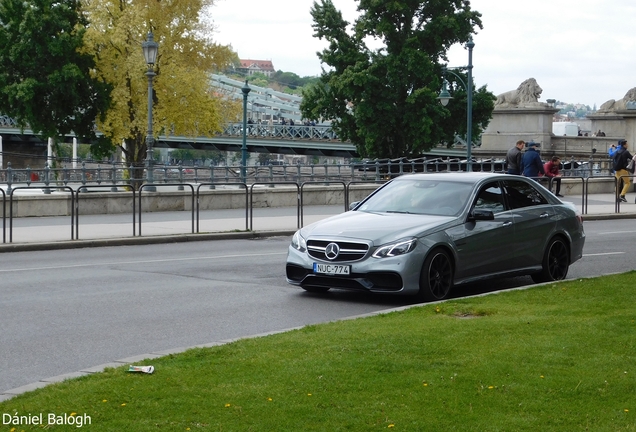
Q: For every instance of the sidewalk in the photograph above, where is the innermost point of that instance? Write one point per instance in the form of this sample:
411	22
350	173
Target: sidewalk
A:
163	227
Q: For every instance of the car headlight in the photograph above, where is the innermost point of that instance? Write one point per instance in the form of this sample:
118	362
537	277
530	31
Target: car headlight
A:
394	249
298	242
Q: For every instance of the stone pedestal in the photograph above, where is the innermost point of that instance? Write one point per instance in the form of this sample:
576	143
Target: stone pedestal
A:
508	125
621	124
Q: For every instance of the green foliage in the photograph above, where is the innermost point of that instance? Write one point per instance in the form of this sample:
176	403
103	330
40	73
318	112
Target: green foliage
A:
182	101
45	81
385	100
557	357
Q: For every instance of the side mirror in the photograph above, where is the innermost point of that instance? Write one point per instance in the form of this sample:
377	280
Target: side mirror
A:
481	215
353	205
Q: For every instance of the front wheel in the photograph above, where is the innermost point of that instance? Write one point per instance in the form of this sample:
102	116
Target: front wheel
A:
436	277
556	262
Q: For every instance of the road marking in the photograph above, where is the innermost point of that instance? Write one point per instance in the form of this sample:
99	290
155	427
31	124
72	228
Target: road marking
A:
604	253
140	262
616	232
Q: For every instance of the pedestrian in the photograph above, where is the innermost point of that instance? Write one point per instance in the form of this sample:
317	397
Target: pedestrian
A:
552	171
623	166
513	158
531	163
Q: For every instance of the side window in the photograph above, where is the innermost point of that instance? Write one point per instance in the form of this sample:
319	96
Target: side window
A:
521	194
490	197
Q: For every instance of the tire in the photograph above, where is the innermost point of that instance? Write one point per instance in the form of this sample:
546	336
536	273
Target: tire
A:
436	277
316	289
556	262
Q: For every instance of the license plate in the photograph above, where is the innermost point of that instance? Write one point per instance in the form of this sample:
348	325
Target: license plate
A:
332	269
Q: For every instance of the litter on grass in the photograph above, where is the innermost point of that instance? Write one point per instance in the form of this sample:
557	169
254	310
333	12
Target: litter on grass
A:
144	369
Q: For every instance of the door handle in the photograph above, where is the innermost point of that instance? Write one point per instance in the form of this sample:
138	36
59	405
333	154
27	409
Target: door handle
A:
544	215
507	223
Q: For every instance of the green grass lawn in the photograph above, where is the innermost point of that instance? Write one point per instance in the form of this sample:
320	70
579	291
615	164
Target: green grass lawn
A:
558	357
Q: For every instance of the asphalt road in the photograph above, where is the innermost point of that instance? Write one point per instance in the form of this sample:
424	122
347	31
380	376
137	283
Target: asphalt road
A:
66	310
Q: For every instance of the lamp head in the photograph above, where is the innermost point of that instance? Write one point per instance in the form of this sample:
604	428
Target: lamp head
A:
150	49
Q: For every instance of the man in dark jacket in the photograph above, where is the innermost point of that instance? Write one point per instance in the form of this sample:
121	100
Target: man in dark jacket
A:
513	158
531	163
621	158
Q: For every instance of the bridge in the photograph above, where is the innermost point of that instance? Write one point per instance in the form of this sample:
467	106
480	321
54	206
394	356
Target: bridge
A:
266	133
318	140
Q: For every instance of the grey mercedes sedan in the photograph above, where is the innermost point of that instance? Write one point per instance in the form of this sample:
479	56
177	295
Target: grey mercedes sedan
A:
421	234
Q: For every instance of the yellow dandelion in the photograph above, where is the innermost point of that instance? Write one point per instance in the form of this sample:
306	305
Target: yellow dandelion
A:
227	405
73	413
269	399
491	387
105	400
308	394
541	376
425	384
391	425
626	410
123	404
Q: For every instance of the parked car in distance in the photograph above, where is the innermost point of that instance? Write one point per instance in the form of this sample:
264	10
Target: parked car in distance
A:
421	234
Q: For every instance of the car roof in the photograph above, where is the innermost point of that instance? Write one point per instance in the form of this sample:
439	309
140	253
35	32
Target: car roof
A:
459	176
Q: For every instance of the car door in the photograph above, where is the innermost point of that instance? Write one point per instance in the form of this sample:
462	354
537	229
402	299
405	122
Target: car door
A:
533	218
484	246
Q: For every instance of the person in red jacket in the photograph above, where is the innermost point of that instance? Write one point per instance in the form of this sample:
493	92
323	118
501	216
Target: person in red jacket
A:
551	169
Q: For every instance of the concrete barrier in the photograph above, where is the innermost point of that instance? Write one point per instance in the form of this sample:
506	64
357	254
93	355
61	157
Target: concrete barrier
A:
59	203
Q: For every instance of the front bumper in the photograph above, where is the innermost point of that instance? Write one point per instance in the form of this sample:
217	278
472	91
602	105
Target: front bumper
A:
386	275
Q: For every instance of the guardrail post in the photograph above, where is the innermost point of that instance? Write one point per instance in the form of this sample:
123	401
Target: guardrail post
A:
114	177
84	173
9	177
212	175
180	187
47	174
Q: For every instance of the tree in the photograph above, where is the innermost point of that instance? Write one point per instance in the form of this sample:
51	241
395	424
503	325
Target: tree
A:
384	99
45	81
183	102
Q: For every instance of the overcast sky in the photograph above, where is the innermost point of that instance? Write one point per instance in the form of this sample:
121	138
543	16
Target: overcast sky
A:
580	51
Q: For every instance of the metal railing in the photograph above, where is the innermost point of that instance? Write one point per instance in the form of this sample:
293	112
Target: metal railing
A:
77	182
116	174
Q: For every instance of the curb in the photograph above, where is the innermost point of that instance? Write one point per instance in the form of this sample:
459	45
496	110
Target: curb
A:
131	241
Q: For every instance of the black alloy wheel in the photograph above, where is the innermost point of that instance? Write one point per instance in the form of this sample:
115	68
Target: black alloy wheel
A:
556	262
436	277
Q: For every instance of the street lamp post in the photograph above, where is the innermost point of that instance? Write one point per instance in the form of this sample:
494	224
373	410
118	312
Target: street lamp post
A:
246	90
150	49
444	97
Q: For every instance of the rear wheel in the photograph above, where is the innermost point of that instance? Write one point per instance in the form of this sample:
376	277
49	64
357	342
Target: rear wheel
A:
436	277
556	262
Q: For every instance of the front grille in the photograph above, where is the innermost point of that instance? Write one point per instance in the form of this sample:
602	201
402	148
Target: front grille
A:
380	281
349	251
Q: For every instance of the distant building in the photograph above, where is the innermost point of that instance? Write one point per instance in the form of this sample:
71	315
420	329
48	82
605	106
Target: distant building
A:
250	67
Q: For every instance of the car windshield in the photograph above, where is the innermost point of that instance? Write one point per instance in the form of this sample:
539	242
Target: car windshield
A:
420	196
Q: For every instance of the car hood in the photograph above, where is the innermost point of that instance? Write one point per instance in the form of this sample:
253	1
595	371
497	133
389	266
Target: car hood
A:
378	228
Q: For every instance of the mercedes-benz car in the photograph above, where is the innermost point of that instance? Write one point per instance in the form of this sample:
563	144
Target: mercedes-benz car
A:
422	234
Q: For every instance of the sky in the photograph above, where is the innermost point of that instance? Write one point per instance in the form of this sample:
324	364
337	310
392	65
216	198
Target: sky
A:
580	51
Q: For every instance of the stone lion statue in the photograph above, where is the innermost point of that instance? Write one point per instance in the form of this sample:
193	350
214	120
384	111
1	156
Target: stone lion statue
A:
617	105
527	93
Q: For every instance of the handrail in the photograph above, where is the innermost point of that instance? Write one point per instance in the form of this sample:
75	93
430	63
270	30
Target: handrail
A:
273	183
34	187
79	189
4	216
302	186
157	185
223	184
